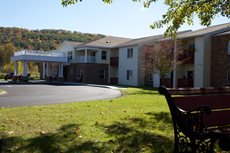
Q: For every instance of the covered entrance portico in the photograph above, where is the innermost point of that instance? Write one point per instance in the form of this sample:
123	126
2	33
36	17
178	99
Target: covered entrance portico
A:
52	62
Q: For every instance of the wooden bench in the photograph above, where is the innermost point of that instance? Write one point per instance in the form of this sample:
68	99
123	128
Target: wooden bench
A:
201	118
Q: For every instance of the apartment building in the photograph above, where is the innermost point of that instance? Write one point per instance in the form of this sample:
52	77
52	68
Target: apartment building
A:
203	62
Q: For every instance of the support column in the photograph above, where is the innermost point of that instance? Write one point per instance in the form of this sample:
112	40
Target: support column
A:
50	70
43	70
47	70
15	68
24	69
60	70
85	55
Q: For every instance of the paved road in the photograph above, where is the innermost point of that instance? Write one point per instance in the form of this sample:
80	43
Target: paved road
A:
27	95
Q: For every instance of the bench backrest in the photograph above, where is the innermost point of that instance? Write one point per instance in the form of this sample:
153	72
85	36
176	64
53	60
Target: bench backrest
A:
188	99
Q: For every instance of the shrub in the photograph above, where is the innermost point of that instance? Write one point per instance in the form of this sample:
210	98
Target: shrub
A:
1	76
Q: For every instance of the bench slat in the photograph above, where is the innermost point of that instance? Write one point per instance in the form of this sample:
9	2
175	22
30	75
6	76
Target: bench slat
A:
192	102
217	122
198	91
217	118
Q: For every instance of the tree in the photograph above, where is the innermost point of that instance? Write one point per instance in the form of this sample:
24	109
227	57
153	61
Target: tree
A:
159	58
182	11
6	51
1	56
9	50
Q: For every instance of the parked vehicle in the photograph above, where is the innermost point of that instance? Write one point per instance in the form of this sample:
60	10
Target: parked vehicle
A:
9	76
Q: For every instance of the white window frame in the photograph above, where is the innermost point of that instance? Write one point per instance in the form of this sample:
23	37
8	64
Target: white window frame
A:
129	52
103	55
70	55
129	74
102	75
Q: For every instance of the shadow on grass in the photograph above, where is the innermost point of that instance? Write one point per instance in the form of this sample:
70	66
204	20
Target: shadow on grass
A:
161	117
137	135
128	135
66	139
128	139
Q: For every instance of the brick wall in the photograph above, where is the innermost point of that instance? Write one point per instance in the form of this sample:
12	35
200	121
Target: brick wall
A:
220	60
91	73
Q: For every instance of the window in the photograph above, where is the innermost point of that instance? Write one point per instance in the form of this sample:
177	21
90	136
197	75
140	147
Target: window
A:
80	73
70	55
150	76
129	74
103	55
79	77
102	74
228	77
191	46
229	47
71	73
129	52
190	74
93	54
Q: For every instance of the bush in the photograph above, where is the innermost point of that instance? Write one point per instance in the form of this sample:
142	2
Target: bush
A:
1	76
24	79
14	79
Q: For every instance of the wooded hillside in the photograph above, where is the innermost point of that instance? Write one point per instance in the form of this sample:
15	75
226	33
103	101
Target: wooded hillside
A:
42	39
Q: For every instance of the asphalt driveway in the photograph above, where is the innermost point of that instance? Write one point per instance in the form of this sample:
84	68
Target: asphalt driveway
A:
41	94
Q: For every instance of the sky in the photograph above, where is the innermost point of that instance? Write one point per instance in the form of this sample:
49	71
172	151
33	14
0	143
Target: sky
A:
122	18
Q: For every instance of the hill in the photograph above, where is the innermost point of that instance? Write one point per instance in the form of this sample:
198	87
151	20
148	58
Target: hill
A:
47	39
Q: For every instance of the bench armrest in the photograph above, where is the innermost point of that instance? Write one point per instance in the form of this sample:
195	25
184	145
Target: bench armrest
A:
201	110
192	121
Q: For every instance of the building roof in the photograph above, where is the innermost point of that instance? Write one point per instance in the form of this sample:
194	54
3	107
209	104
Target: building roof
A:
106	42
117	42
147	40
223	33
70	43
140	41
212	30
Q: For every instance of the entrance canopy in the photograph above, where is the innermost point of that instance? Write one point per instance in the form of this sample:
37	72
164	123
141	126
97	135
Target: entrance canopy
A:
40	56
46	57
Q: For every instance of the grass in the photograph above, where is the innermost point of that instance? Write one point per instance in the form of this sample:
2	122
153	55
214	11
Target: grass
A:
1	91
139	121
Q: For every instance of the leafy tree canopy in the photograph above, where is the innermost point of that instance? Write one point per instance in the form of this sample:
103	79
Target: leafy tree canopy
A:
159	57
182	11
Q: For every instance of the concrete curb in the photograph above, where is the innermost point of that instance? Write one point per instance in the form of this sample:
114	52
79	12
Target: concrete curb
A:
77	83
58	83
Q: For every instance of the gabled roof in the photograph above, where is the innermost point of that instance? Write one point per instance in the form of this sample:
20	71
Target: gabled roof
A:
212	30
147	40
117	42
70	43
106	42
140	41
223	33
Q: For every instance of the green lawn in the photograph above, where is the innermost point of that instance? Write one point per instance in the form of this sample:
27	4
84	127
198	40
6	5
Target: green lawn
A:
139	121
1	91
